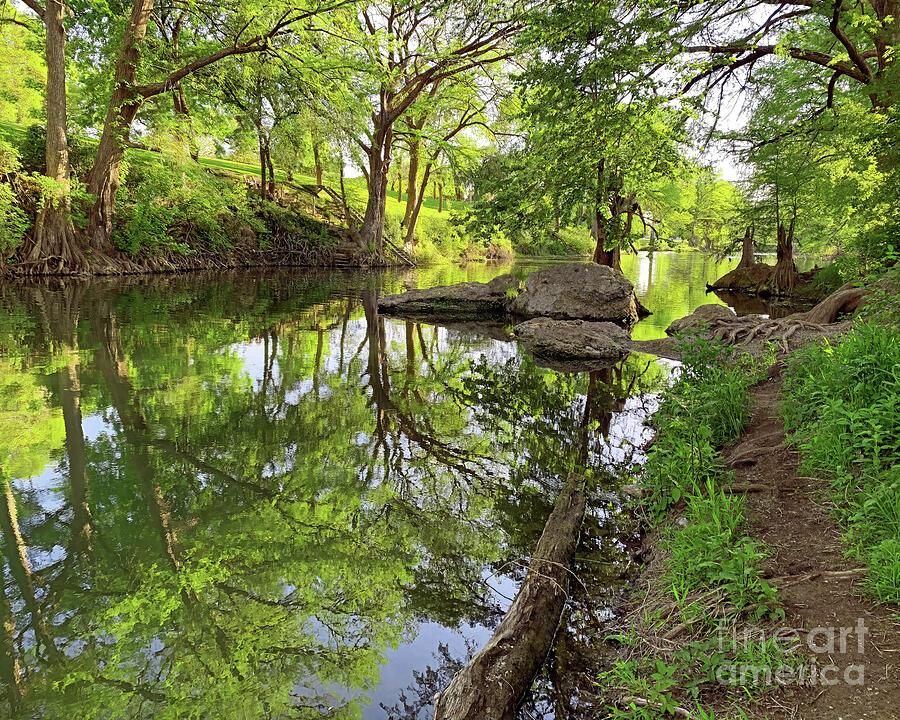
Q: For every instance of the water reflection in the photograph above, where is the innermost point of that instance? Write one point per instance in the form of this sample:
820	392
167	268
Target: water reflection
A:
253	496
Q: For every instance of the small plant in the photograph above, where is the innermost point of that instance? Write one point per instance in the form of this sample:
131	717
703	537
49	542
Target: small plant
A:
840	402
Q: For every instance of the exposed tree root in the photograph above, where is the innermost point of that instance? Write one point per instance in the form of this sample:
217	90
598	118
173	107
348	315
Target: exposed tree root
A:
747	329
846	299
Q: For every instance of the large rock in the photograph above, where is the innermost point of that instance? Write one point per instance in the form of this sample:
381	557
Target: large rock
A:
703	315
576	344
579	291
568	291
465	301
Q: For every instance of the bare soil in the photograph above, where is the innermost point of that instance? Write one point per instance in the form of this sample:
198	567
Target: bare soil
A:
819	586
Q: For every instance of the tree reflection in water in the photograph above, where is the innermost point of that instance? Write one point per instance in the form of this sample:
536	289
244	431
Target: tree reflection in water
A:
236	497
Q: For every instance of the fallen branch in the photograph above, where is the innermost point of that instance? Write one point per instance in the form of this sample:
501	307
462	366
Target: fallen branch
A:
637	702
490	686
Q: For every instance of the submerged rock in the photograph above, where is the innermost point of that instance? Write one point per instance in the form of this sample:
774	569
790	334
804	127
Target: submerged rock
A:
569	291
705	314
573	344
465	301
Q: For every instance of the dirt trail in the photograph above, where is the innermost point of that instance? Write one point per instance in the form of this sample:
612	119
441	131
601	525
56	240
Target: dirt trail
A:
819	586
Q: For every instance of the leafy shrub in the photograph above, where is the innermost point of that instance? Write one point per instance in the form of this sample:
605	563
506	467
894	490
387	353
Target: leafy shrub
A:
33	150
13	221
164	204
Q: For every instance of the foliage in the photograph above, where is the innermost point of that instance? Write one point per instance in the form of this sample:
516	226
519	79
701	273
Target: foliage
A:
840	402
13	222
166	205
704	409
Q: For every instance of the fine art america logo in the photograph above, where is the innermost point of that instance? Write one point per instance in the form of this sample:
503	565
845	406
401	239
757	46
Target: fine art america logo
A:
778	658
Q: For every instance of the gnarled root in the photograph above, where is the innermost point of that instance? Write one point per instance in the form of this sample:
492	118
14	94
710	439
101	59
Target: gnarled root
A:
744	330
845	299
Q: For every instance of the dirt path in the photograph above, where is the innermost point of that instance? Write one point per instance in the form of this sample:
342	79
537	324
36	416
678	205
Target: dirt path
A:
819	586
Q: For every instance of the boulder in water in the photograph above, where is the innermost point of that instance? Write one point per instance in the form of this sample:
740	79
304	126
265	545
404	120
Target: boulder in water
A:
574	344
464	301
568	291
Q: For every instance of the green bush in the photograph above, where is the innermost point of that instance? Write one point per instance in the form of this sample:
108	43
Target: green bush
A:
33	150
13	222
167	205
842	404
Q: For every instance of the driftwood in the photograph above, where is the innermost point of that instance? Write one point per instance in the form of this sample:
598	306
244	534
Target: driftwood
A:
490	686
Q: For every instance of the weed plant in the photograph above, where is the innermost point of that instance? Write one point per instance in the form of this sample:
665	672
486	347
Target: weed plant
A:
709	553
842	405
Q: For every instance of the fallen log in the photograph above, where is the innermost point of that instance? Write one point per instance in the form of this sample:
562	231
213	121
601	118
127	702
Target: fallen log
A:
491	685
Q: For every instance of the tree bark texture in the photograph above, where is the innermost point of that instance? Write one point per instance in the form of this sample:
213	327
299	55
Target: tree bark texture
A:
103	178
785	276
53	246
747	258
371	233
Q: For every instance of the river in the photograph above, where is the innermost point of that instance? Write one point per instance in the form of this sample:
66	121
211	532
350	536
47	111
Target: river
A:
249	495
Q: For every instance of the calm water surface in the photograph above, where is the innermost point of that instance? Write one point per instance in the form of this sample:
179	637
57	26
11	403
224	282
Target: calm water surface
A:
251	496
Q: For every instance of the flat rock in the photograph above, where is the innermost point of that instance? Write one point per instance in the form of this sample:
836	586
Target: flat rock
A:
579	291
573	344
464	301
568	291
704	314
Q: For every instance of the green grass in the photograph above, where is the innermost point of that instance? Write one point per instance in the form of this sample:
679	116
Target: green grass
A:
708	552
842	404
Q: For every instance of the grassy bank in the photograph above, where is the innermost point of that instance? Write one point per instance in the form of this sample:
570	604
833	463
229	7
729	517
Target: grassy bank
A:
703	578
702	589
842	404
168	204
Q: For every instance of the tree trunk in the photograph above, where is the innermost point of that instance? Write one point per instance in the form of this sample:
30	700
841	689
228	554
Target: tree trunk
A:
458	194
440	197
103	178
412	180
271	191
414	216
493	681
53	246
318	161
785	276
747	258
181	109
371	233
602	256
263	169
399	186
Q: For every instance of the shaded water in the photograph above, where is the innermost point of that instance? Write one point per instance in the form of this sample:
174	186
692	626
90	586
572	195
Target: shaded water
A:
249	495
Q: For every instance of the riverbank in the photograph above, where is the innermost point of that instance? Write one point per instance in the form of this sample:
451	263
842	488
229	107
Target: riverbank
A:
764	550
